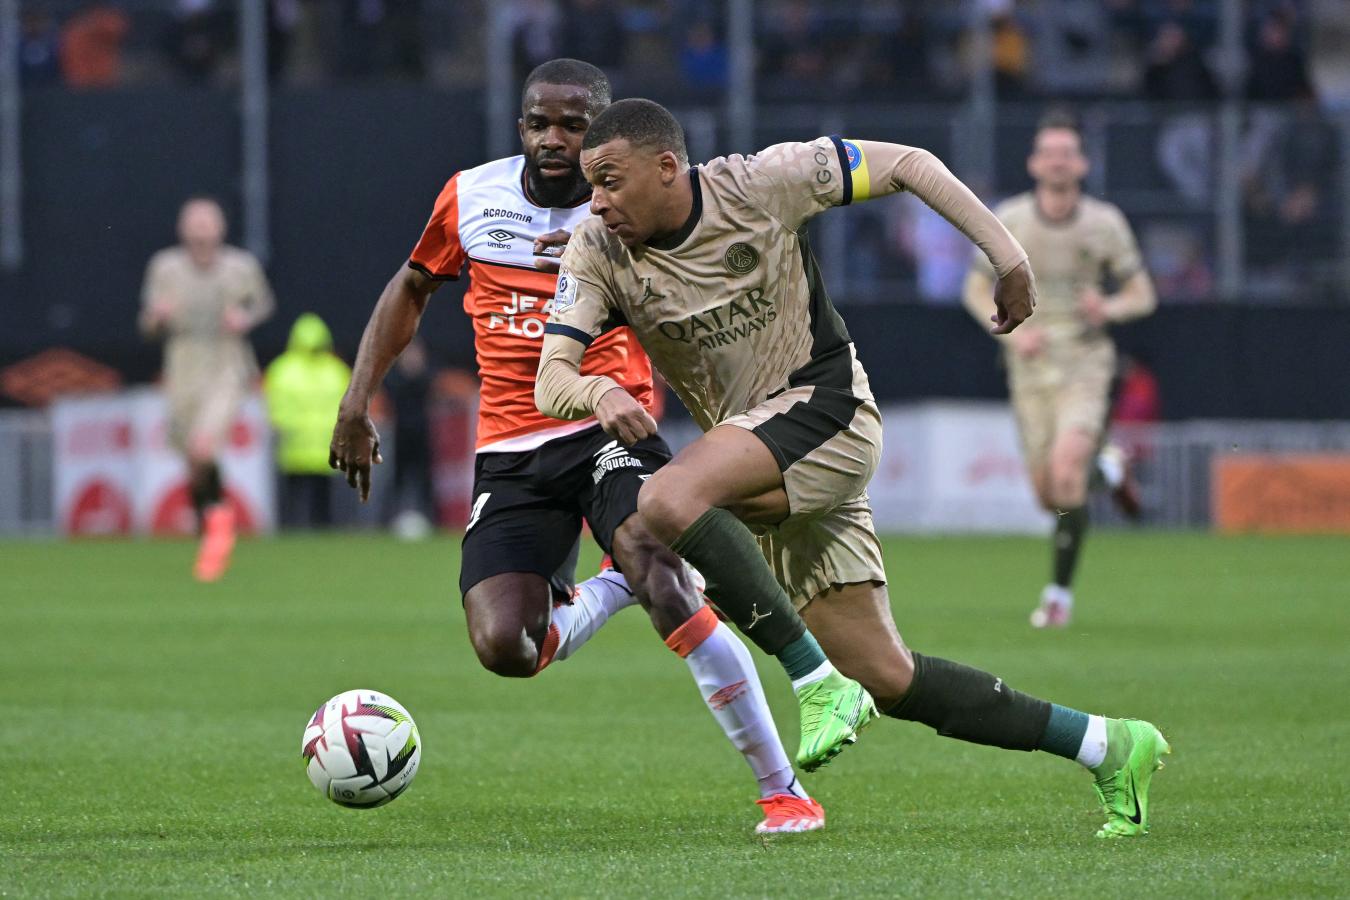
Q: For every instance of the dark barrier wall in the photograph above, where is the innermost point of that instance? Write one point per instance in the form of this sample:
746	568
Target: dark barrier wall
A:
1211	361
354	174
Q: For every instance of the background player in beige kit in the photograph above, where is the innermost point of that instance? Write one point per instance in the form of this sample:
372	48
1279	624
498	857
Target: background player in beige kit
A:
202	298
1060	367
710	268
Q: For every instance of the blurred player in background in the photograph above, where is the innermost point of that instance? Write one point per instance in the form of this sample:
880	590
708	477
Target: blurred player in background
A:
536	479
202	298
711	268
1062	363
408	385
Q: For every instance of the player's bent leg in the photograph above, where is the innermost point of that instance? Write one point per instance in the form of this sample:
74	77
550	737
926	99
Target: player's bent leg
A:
696	505
215	517
687	505
1069	465
723	671
508	616
656	575
729	468
854	625
967	704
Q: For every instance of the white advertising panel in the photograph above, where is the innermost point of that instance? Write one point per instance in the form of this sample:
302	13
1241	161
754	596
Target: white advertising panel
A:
116	473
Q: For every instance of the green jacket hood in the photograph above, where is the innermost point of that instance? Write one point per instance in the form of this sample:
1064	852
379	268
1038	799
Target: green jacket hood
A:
309	334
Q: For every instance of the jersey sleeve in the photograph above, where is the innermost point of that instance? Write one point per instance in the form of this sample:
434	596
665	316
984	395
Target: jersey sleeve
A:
439	253
584	306
795	181
979	260
1123	258
259	301
152	289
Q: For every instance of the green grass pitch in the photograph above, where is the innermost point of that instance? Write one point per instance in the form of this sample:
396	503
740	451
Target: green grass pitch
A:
151	729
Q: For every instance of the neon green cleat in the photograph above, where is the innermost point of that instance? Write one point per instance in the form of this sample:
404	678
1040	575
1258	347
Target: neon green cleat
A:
834	710
1124	791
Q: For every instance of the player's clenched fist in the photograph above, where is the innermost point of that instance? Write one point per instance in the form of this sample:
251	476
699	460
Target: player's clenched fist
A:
355	446
1014	298
623	418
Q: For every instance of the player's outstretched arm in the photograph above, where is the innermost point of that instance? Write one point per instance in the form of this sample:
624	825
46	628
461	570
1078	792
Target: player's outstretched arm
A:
562	392
356	444
1135	299
891	168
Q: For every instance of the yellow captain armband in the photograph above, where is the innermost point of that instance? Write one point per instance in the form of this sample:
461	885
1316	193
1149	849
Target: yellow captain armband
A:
857	169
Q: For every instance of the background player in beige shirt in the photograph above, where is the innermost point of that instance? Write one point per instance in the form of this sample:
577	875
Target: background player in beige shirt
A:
203	297
1061	365
711	269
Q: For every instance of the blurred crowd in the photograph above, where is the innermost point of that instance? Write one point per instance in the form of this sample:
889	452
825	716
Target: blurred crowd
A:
1162	50
1166	52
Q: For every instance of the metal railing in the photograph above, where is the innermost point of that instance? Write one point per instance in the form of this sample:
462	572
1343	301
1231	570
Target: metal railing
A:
26	455
1172	461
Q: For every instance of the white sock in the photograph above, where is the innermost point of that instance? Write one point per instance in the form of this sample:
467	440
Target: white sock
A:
1111	463
593	602
1057	593
1093	749
726	677
819	673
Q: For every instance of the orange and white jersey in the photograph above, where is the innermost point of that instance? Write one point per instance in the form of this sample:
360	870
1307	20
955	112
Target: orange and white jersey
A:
484	218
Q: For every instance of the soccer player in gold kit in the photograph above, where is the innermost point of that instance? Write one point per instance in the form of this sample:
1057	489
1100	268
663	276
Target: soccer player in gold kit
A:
711	268
1060	365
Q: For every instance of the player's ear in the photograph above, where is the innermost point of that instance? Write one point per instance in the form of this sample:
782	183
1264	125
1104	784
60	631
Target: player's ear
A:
520	128
670	167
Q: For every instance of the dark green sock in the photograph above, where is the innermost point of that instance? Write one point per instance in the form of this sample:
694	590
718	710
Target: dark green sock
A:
742	585
1070	526
801	657
969	705
1064	731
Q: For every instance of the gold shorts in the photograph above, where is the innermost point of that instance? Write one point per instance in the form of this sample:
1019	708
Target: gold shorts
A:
203	418
1051	400
811	554
827	443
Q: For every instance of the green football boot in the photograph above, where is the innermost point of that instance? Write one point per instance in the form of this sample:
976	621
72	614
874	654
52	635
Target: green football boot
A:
1124	791
833	711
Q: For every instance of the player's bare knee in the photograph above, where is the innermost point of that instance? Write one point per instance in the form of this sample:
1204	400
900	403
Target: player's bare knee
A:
509	653
1068	488
666	512
500	632
890	680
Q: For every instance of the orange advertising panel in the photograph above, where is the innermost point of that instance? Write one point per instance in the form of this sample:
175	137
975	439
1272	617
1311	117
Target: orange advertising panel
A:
1281	492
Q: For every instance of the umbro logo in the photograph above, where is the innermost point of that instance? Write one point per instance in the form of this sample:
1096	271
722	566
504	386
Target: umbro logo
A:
500	235
724	697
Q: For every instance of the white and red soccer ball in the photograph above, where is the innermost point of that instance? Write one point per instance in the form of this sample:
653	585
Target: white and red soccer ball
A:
361	749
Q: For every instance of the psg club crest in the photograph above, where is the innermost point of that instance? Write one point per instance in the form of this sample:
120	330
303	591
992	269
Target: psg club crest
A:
854	155
741	258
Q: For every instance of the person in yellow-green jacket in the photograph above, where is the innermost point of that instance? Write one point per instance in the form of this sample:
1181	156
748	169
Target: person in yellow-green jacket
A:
303	387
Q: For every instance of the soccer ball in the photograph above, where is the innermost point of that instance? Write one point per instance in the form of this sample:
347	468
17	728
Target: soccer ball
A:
361	749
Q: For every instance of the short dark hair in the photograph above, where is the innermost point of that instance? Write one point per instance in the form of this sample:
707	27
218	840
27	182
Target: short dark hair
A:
575	72
642	123
1060	118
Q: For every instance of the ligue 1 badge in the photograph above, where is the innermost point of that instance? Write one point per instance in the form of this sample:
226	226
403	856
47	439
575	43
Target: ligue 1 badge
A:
567	291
